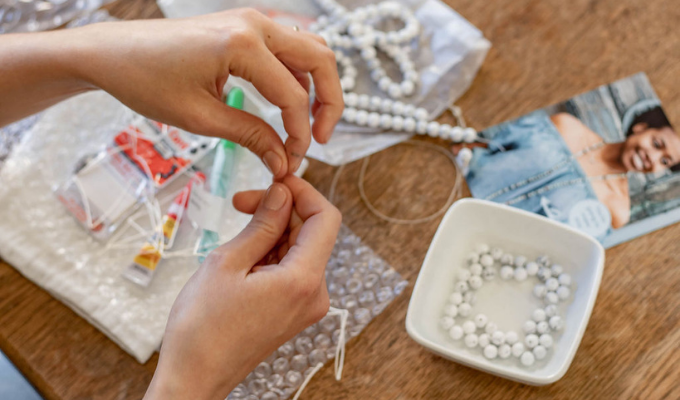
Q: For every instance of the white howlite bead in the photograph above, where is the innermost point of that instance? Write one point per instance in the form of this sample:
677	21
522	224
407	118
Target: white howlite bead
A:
469	135
563	292
456	298
520	274
532	268
409	110
542	327
540	352
552	284
469	327
527	359
546	340
483	248
433	129
517	349
446	323
421	113
490	328
520	261
531	341
451	310
552	298
486	260
489	273
564	279
377	74
472	258
476	269
475	282
543	260
384	83
481	320
464	274
506	272
362	117
412	76
556	270
471	340
529	327
397	108
368	53
550	310
350	115
462	286
496	253
445	131
421	127
347	83
351	99
407	88
373	120
540	291
409	125
385	121
538	315
504	351
490	352
498	338
507	259
394	90
470	298
457	134
556	323
355	29
484	340
456	332
543	273
374	104
363	101
350	71
511	337
464	309
397	123
464	156
386	106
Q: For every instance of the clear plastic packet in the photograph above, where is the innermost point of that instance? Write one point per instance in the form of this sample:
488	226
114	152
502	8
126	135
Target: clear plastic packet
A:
40	15
108	186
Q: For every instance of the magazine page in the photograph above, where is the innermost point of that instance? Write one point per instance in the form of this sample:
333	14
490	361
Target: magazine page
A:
606	162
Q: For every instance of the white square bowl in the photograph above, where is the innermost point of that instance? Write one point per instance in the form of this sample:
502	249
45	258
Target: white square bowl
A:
508	303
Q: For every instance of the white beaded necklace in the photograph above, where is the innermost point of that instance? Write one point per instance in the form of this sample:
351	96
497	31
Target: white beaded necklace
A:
345	30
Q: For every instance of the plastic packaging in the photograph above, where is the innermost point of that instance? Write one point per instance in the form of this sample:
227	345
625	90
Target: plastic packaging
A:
39	15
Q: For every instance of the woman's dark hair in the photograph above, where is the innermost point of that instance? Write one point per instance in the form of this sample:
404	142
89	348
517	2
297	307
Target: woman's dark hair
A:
654	118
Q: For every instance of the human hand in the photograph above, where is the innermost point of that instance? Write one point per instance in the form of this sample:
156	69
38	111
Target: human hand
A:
173	71
251	295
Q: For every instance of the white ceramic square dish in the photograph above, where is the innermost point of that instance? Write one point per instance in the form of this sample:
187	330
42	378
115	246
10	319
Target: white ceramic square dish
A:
508	303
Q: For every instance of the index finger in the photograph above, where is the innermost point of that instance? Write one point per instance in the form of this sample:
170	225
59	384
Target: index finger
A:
321	222
305	51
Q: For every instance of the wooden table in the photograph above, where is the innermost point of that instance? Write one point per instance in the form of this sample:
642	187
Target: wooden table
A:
543	51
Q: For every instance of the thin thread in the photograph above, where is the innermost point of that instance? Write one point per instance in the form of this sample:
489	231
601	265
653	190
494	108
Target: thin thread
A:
309	377
455	191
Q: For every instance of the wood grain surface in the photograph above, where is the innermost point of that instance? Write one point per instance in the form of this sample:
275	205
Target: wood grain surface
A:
543	51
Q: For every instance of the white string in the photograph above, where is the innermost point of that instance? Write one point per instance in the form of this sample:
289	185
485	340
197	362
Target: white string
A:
339	350
309	377
455	191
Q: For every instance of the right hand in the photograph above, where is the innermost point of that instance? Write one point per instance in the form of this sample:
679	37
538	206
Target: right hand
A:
173	71
251	295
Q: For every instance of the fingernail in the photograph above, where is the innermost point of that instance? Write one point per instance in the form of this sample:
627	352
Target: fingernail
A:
273	162
275	198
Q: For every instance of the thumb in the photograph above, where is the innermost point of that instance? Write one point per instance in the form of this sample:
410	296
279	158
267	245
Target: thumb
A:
247	130
263	232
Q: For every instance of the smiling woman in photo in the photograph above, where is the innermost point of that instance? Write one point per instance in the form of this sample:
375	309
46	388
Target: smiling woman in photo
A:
556	166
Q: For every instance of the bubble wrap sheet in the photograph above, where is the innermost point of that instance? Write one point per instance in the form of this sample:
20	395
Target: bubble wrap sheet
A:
46	244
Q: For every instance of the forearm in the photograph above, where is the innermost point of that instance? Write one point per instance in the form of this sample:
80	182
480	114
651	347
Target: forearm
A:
38	70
